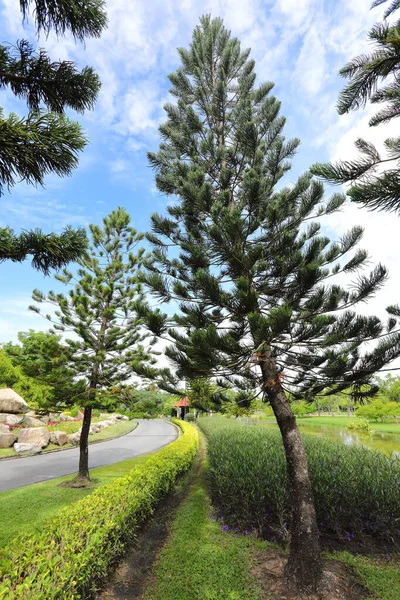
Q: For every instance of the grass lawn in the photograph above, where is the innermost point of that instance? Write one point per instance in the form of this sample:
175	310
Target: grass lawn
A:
344	421
120	428
26	508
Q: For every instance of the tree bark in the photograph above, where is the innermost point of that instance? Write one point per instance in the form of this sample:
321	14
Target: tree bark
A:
83	473
304	567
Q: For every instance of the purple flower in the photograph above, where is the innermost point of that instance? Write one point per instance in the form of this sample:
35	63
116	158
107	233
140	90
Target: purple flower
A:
225	528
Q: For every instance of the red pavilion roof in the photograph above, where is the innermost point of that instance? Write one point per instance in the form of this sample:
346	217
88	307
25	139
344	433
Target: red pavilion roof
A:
182	402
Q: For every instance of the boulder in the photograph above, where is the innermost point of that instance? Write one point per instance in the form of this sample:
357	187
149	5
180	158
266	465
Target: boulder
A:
7	439
4	428
31	448
11	402
11	419
39	436
58	437
32	421
93	429
74	438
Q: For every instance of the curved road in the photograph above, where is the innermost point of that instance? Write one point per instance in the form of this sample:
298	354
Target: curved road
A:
147	437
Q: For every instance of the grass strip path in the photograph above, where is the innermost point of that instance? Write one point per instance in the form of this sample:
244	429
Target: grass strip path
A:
26	509
201	561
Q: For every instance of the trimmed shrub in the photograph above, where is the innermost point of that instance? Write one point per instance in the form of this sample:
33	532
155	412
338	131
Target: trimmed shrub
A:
356	490
190	418
75	549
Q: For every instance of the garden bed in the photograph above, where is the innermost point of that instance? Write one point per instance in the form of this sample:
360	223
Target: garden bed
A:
356	490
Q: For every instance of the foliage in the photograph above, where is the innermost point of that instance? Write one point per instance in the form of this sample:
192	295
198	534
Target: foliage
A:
249	484
43	357
379	410
301	408
361	425
190	418
139	401
246	258
77	547
36	394
204	394
373	77
389	387
46	141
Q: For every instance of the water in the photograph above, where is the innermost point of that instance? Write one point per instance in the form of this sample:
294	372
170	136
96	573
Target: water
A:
376	440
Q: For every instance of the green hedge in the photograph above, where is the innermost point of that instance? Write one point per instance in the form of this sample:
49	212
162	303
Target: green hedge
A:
75	549
356	490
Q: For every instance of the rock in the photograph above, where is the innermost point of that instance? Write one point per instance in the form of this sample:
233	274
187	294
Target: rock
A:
4	428
31	448
11	402
93	429
120	417
58	437
7	439
11	419
80	414
74	438
45	419
39	436
32	422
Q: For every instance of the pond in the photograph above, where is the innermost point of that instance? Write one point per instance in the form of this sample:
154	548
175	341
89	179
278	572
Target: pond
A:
376	440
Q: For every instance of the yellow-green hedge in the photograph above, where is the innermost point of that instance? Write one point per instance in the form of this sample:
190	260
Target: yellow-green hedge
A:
75	549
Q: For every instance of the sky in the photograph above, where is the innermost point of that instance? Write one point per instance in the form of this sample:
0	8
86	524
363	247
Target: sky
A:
298	44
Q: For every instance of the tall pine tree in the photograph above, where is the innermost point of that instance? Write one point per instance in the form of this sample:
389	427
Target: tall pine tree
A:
374	179
46	141
246	263
100	309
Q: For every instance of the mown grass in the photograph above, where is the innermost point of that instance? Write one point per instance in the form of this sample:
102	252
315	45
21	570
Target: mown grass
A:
382	580
356	490
26	509
345	421
201	561
109	433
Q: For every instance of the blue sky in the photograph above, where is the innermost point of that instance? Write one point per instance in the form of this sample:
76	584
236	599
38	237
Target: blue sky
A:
298	44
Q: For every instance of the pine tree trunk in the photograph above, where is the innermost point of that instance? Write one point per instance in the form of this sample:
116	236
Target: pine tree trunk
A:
83	474
304	567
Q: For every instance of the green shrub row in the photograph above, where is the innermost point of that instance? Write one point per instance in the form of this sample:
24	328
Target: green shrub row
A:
75	549
356	490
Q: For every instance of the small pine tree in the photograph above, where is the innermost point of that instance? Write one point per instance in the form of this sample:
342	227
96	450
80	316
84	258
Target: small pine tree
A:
370	186
100	310
46	141
244	260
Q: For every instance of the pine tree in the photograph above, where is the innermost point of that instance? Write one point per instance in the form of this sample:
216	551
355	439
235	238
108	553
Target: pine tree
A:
244	260
46	141
100	310
367	73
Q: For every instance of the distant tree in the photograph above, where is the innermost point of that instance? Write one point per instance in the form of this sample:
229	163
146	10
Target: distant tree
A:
389	387
46	141
43	357
36	394
374	77
301	408
243	259
100	309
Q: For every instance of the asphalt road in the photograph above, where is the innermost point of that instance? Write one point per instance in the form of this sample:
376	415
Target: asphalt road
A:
147	437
